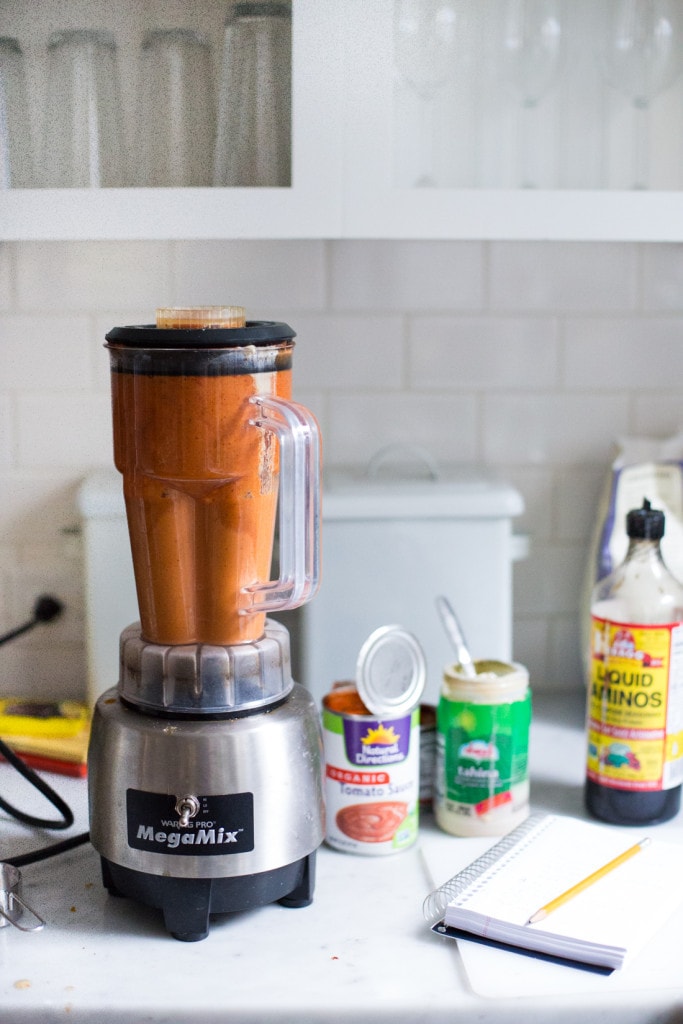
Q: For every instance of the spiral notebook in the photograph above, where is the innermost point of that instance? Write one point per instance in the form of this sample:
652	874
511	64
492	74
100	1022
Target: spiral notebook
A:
608	921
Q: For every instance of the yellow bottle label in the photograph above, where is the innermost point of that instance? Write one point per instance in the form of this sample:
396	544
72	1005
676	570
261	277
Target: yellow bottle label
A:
635	706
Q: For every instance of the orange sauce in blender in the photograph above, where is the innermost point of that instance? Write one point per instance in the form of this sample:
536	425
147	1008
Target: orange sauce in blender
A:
200	485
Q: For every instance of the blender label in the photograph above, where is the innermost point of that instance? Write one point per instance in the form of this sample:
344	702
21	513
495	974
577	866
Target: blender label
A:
222	824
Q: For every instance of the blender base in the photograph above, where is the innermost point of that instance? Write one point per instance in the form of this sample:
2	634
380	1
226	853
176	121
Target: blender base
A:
186	903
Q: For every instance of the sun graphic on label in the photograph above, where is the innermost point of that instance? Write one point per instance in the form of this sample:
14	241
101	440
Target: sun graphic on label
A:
381	736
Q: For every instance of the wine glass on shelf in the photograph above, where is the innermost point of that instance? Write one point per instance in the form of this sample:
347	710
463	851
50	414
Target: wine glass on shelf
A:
530	54
427	38
641	55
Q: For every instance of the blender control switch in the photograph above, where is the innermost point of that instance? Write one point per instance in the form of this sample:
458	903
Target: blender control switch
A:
187	807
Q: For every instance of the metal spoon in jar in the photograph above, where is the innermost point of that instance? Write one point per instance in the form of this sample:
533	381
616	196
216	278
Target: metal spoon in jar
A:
450	621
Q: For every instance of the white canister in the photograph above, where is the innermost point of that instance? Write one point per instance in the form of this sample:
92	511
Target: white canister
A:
482	781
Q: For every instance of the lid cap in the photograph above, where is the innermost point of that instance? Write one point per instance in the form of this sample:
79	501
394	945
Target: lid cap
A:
645	523
391	671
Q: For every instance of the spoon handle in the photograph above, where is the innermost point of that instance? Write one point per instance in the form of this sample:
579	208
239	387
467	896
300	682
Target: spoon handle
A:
452	626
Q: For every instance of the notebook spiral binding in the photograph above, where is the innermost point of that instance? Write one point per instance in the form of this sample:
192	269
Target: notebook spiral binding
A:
437	901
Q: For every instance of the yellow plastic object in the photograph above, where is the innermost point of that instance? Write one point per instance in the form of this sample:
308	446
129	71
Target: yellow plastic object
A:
26	717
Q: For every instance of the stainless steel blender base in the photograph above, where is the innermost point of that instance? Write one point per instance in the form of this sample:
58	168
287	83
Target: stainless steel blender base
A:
198	815
187	903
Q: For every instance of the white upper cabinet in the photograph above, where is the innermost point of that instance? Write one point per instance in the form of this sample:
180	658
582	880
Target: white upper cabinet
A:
308	208
483	126
442	141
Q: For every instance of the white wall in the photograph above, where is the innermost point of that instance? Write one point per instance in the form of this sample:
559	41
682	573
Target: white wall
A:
530	358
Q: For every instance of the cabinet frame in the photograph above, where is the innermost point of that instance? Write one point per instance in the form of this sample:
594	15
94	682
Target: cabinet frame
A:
342	172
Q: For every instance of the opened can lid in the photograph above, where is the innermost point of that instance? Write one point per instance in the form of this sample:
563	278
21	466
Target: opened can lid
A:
391	671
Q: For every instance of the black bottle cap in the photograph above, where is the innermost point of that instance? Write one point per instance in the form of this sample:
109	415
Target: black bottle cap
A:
645	523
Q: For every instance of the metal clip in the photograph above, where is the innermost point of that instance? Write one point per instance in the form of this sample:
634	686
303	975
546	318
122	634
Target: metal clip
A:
12	906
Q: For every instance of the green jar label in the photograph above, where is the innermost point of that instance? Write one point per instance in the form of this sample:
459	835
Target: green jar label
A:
483	751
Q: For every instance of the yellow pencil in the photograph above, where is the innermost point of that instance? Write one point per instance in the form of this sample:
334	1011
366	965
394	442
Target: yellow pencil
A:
580	886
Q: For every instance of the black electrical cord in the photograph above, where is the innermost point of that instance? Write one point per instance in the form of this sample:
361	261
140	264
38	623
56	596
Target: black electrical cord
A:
45	609
49	851
41	785
57	802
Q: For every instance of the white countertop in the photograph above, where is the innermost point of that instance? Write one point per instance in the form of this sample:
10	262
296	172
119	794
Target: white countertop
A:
362	952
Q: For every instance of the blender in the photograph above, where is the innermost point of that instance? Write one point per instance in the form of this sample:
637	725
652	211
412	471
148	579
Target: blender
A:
204	767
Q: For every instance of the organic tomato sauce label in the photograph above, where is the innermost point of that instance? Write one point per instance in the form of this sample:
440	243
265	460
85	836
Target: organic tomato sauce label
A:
371	781
635	706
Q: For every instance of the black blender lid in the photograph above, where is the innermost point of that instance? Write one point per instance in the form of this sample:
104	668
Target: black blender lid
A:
645	523
255	332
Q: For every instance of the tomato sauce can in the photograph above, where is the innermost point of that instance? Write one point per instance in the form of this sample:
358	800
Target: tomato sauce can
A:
372	753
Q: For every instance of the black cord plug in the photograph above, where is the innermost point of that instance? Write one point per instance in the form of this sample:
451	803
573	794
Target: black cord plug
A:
45	609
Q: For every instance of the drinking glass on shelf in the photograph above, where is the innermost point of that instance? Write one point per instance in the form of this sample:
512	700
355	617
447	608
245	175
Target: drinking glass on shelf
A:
177	110
641	55
16	150
83	140
530	56
253	135
429	35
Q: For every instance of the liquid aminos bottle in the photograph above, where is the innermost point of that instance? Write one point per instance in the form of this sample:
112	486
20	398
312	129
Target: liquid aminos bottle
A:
635	703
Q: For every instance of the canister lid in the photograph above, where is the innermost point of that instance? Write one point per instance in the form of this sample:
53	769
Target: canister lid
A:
391	671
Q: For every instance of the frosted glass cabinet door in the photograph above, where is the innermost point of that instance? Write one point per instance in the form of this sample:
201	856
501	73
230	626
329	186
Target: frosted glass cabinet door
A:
308	208
460	179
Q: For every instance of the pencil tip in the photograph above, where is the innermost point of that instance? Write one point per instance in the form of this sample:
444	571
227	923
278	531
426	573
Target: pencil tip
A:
538	916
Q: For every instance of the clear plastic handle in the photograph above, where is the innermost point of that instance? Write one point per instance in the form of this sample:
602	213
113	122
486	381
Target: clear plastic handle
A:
299	505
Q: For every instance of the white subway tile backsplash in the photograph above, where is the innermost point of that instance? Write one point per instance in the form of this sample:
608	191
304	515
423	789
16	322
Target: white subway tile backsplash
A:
656	414
264	277
536	485
50	354
362	424
566	668
65	276
71	430
530	647
663	277
5	278
528	358
484	352
7	556
549	580
6	431
37	507
43	670
407	276
624	353
576	501
342	352
552	428
568	276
